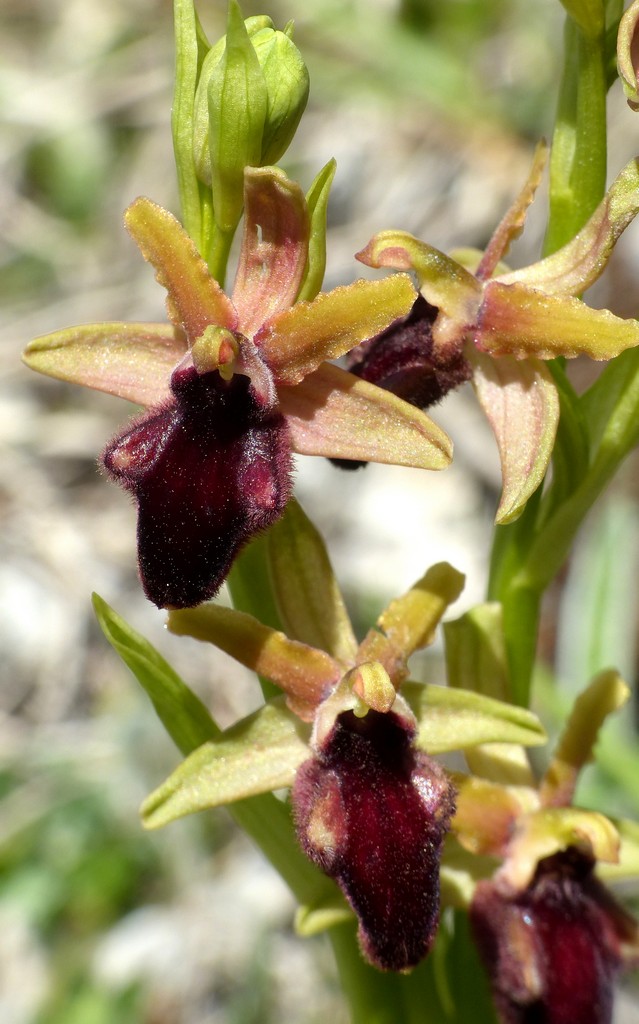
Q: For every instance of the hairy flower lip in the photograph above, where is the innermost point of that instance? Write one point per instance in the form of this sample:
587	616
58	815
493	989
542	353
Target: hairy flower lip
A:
372	812
193	515
553	949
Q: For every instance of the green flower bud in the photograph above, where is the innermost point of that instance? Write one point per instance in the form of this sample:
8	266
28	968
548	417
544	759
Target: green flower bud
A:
287	85
251	94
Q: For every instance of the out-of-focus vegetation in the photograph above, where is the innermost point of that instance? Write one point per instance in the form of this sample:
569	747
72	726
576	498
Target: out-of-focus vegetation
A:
430	107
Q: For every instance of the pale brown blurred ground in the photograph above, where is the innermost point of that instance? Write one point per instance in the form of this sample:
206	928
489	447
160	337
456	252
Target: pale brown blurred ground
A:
85	97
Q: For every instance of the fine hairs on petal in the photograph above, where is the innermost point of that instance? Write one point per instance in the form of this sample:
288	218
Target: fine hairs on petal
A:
372	812
208	471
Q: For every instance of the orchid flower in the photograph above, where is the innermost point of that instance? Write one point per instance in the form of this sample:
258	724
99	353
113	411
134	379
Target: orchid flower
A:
233	385
497	326
551	935
371	804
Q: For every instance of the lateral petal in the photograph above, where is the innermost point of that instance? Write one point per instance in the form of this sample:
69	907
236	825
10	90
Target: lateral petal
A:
303	672
334	413
274	247
410	621
297	341
195	299
520	321
442	281
521	404
606	693
577	265
132	361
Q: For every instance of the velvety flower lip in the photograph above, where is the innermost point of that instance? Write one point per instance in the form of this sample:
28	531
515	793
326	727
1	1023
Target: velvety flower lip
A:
372	812
503	324
402	359
233	385
553	950
207	471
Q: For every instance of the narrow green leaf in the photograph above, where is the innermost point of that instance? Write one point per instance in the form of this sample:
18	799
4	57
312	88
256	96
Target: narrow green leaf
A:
183	715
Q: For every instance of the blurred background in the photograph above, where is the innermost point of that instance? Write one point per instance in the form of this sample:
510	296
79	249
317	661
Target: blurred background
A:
432	110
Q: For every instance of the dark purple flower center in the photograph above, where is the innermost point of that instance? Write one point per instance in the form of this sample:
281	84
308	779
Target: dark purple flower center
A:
372	813
208	469
551	951
403	360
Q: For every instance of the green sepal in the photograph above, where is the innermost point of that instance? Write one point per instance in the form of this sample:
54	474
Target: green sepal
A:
476	652
451	719
264	818
476	660
317	204
310	604
183	715
257	755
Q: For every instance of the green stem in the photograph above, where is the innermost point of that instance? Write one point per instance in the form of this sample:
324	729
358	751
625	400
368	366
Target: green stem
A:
373	997
577	184
578	155
520	603
218	252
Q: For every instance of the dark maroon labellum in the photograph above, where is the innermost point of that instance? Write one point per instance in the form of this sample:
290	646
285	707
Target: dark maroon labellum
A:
402	360
208	469
372	812
553	950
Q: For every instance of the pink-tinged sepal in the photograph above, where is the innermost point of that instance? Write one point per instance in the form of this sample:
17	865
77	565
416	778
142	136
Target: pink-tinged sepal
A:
372	812
520	400
208	471
132	361
628	54
336	414
552	950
